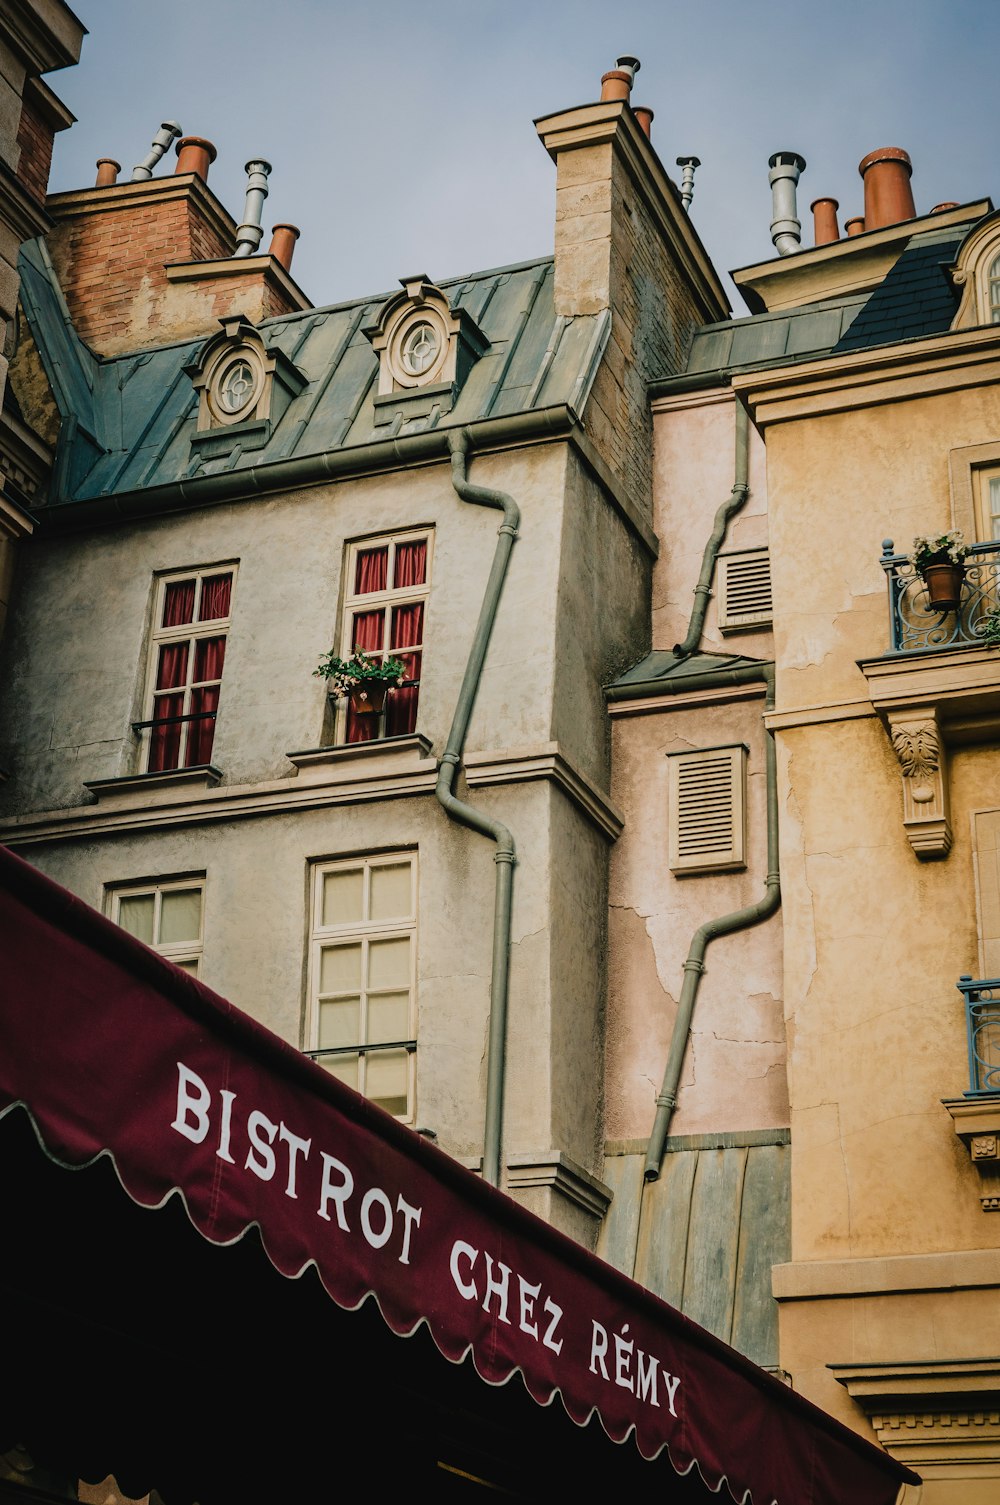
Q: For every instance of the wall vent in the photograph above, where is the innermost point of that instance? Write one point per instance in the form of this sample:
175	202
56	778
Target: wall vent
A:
744	585
707	809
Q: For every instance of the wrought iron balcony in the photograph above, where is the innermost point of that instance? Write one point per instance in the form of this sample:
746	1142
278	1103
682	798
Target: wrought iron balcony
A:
916	625
982	1020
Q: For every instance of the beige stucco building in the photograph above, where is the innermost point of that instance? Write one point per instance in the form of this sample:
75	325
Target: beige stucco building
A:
684	673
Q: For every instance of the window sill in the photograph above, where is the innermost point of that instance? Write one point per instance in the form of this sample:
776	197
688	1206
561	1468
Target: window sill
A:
381	756
202	776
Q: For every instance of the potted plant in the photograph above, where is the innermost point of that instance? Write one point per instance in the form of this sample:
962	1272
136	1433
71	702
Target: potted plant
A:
940	561
989	628
364	678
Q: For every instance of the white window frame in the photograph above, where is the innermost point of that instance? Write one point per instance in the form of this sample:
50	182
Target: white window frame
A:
179	952
183	632
356	605
364	931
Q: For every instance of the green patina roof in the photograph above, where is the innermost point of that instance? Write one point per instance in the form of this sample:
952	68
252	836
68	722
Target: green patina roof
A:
135	414
662	666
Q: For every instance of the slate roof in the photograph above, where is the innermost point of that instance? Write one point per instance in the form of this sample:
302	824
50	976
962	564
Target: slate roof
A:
915	298
796	333
135	414
662	666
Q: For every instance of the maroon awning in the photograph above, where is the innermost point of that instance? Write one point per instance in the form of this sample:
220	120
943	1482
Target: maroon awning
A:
115	1053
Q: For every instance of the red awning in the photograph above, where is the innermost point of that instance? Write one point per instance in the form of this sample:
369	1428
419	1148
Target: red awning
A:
115	1053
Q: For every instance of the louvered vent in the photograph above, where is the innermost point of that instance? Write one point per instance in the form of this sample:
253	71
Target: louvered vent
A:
707	809
744	590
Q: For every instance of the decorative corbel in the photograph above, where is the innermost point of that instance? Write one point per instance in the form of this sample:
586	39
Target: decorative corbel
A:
977	1124
918	744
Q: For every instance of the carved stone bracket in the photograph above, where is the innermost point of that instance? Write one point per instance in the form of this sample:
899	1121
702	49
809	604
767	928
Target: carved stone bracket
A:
918	744
977	1124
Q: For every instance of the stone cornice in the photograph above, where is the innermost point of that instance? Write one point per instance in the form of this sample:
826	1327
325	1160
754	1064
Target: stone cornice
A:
892	373
240	266
78	202
821	1279
521	766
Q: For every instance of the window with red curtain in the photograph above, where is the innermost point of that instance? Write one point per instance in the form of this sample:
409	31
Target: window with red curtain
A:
388	585
189	650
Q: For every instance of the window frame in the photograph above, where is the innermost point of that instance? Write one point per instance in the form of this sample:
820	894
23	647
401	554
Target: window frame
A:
189	632
355	604
178	952
365	931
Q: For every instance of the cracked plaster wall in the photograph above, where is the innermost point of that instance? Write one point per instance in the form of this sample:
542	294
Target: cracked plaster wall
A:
734	1069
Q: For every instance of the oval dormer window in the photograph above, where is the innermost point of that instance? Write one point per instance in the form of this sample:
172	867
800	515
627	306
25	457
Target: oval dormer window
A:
420	349
237	386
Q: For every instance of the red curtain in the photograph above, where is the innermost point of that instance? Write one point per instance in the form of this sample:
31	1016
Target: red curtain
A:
407	632
371	571
216	593
178	603
411	564
367	632
171	671
210	654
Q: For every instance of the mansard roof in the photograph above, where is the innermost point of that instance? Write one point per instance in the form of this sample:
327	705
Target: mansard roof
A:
132	417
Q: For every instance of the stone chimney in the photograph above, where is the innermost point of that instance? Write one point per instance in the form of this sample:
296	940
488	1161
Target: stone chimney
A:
625	250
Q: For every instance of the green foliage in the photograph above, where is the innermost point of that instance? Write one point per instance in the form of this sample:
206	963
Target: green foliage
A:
345	674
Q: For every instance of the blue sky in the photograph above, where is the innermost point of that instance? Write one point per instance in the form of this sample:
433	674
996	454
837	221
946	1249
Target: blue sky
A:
401	136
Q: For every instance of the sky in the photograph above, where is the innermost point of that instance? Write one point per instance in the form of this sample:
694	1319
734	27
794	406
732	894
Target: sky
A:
401	136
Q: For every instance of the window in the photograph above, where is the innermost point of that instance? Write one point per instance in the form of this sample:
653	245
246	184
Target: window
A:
362	969
191	616
707	814
388	584
744	590
994	282
166	916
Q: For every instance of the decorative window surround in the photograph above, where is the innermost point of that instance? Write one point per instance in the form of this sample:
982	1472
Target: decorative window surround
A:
272	381
975	275
425	350
927	701
977	1123
943	1413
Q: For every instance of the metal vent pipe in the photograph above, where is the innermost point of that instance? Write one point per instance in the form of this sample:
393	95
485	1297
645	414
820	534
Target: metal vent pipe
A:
168	132
786	227
248	236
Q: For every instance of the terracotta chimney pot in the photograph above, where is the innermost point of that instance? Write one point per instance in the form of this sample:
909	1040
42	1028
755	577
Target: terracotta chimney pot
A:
824	213
888	195
282	247
948	204
855	226
107	172
644	116
615	85
195	154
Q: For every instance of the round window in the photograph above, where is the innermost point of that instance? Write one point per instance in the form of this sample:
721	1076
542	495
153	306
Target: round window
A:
420	349
237	386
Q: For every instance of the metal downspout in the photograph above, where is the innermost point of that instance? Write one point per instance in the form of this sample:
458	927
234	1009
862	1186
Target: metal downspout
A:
728	510
694	967
467	815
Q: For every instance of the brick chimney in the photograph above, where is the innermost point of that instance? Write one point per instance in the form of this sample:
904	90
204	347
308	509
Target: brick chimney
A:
144	263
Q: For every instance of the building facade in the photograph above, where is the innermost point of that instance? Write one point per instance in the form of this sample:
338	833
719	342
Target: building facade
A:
647	892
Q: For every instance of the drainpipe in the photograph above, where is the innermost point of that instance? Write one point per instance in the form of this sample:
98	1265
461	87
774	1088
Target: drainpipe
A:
728	510
467	815
248	236
694	967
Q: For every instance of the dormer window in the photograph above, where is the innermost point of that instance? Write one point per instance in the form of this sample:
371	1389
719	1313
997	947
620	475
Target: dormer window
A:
425	349
244	386
976	274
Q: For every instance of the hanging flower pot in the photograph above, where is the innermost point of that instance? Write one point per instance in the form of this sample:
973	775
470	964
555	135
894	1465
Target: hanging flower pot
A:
368	697
944	585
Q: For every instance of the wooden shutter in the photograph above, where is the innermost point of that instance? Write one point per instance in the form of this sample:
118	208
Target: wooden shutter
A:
744	590
707	814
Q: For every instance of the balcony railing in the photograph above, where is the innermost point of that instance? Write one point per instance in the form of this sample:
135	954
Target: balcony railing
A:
982	1022
916	625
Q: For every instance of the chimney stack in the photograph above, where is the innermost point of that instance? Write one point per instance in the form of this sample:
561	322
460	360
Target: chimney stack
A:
644	116
888	195
618	83
107	172
855	226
